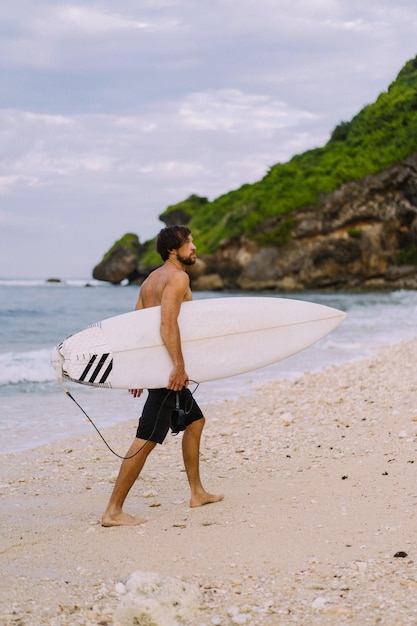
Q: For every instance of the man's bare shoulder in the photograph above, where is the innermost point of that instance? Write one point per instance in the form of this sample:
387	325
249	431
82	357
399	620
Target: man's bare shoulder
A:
177	285
161	282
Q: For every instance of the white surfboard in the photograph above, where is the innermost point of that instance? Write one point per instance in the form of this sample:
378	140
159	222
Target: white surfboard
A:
220	337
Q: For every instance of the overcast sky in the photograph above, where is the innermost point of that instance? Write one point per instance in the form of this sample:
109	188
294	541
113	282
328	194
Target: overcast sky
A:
111	111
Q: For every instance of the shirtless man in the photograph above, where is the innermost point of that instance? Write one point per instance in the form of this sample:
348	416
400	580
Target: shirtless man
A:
167	286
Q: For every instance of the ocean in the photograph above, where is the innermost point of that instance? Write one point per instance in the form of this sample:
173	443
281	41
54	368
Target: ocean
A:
36	315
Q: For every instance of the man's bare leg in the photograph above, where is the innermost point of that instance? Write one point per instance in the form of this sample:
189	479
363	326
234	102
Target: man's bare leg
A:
129	472
191	455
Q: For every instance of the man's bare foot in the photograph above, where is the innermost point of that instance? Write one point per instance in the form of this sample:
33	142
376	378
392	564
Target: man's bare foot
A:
121	519
200	499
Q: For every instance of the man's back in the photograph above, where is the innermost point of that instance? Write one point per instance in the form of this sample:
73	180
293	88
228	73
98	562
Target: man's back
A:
168	277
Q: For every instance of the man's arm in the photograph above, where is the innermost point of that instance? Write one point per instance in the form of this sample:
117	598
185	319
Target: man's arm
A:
173	296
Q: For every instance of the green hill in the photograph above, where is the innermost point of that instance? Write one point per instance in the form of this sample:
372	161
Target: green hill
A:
381	134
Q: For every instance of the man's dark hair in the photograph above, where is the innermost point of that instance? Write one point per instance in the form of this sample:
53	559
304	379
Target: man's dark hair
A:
171	238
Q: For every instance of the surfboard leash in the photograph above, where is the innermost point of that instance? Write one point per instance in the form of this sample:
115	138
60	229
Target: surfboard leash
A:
119	456
174	431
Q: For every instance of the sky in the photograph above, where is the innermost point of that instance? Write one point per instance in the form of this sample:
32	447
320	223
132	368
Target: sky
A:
112	111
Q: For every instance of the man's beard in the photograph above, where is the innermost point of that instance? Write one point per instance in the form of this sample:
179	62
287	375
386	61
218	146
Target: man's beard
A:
187	260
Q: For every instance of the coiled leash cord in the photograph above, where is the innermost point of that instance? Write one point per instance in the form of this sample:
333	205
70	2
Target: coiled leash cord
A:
177	421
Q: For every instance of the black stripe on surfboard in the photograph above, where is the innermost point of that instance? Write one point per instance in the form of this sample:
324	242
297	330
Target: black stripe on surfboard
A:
98	368
88	368
106	373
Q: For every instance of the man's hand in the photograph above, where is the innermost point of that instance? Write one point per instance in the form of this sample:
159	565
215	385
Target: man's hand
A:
136	393
178	379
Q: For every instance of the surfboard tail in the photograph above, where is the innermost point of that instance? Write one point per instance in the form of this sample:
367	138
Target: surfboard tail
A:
56	362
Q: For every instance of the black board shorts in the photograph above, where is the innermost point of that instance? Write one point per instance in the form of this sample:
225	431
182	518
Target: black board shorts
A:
154	422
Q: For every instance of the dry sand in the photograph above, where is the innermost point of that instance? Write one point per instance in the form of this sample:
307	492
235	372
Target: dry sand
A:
319	477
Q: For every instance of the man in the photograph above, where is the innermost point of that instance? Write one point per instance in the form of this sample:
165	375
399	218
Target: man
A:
167	286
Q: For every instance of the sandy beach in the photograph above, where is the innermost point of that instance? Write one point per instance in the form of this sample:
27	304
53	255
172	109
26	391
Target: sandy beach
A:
318	524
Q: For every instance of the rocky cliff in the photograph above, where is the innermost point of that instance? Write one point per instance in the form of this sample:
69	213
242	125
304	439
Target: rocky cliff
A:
122	262
364	235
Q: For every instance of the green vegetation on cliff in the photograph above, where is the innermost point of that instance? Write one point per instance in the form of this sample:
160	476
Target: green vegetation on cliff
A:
381	134
130	241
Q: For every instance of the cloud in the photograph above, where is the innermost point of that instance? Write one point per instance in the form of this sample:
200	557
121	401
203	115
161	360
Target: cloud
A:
89	21
231	110
9	183
106	152
58	34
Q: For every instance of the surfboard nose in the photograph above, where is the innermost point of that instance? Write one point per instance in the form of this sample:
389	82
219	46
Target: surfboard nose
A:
56	362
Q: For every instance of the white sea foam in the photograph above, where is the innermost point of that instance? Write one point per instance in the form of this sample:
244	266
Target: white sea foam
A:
39	282
23	367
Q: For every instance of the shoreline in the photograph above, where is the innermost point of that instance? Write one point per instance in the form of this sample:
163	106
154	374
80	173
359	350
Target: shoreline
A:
107	411
318	474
